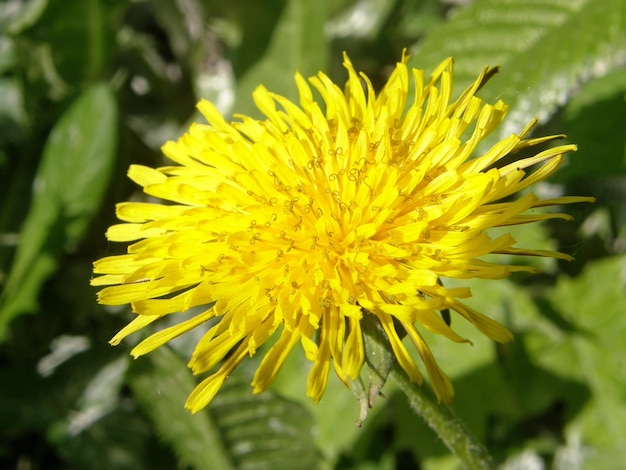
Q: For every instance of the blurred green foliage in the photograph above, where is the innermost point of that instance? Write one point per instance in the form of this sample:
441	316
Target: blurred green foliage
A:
89	86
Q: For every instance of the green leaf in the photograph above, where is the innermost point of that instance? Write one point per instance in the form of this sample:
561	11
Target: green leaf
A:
68	189
508	371
546	49
595	119
264	430
161	384
79	42
238	430
295	42
594	353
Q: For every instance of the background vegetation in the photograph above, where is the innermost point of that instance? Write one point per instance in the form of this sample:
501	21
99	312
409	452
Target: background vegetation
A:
89	86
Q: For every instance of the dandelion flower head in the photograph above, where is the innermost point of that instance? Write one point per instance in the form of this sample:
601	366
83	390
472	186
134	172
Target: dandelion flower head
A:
289	230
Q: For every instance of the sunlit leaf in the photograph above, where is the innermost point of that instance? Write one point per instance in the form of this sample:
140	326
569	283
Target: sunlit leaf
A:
265	430
594	303
546	49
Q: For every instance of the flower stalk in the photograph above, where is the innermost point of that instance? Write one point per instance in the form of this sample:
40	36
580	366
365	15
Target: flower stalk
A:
442	420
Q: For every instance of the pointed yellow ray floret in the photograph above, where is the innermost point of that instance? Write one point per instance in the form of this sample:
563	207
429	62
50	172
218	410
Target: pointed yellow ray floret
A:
295	227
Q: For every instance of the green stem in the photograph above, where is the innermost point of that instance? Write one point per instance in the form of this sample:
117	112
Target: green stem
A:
444	422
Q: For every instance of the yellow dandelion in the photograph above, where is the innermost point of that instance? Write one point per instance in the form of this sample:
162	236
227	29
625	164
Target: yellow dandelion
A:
297	226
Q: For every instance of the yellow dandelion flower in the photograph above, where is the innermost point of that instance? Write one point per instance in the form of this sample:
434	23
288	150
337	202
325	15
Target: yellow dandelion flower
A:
297	226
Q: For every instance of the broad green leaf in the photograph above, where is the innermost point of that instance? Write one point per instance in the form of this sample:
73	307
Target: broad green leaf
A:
594	352
161	384
296	43
68	189
546	49
265	430
238	430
